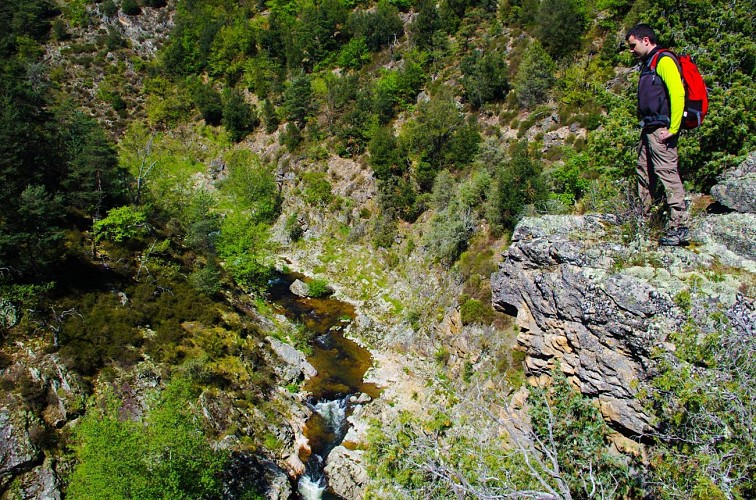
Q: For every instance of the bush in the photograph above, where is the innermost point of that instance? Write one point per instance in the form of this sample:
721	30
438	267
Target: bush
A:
130	7
474	311
535	76
239	117
318	288
518	182
316	189
167	452
121	224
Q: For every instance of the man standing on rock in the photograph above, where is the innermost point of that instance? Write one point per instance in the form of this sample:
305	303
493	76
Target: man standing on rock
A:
661	99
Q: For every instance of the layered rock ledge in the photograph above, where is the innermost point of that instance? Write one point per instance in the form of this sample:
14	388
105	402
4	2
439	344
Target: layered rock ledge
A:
596	301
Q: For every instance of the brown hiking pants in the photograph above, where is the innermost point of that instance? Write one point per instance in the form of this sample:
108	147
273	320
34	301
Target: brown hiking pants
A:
657	162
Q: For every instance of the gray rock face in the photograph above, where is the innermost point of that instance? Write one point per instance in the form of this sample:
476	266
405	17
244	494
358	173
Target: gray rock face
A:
737	187
597	307
17	452
346	472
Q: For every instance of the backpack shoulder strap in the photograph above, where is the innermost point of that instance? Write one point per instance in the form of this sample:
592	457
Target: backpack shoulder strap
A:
662	52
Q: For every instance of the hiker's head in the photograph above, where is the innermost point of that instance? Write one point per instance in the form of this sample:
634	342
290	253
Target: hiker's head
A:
641	40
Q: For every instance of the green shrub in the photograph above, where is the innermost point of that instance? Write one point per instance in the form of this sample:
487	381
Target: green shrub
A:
474	311
121	224
316	189
166	452
130	7
535	77
239	117
318	288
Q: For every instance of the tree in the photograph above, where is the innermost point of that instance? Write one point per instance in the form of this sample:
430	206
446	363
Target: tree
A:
384	154
378	28
439	137
518	182
535	76
484	77
164	454
209	102
253	185
559	26
239	117
93	181
298	100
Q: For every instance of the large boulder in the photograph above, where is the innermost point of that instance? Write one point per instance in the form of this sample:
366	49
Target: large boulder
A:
597	307
295	364
736	188
346	472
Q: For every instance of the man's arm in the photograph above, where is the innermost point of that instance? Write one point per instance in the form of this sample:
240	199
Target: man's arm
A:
670	75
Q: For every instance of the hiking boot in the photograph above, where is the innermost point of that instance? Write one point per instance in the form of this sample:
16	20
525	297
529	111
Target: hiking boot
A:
675	236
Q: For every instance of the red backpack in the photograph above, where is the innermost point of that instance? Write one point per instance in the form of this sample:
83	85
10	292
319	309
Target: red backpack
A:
696	93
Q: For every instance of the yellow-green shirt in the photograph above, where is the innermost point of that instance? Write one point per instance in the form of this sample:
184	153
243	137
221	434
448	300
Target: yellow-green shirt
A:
670	75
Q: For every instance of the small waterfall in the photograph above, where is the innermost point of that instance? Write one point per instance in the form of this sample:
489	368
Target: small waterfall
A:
330	418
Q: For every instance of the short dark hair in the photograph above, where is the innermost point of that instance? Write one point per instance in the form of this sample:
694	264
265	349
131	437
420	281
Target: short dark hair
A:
641	31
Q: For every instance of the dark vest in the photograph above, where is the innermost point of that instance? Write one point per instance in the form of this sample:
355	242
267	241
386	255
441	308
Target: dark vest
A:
653	98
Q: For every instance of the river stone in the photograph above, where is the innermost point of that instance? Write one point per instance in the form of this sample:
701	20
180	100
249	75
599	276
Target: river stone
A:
736	188
295	363
300	288
250	473
346	472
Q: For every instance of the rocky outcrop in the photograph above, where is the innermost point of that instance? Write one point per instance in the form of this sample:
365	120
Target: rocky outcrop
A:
346	472
596	307
295	364
18	454
736	188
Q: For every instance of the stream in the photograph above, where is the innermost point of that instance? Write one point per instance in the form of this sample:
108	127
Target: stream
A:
341	365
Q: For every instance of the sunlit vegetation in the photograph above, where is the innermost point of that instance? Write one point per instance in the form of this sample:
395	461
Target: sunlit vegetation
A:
126	237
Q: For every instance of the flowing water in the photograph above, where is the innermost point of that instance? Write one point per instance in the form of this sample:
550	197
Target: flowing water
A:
340	363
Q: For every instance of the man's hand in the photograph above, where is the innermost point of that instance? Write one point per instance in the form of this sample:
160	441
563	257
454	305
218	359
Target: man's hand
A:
665	136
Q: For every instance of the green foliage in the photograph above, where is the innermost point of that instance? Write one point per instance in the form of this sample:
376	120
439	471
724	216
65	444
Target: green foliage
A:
318	288
354	54
395	88
703	398
440	137
560	25
93	180
130	7
270	117
243	245
484	77
571	177
535	76
209	102
518	182
239	117
293	227
299	100
121	224
207	279
473	311
384	154
253	186
165	454
316	190
565	419
450	232
376	28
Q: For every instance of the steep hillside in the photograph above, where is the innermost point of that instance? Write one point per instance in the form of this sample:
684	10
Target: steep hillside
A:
458	172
